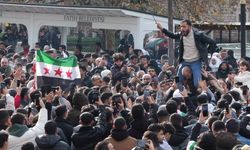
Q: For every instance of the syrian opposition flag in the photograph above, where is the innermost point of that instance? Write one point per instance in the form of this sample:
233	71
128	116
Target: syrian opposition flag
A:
56	72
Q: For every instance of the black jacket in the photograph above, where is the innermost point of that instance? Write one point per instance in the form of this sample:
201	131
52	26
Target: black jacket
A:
201	42
51	142
87	137
137	128
243	127
65	126
179	137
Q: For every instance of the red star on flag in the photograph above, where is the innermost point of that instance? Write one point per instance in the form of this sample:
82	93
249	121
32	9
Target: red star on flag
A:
46	70
69	74
58	72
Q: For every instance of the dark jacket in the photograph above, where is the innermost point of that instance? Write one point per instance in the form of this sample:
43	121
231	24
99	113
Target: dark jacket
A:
65	126
179	138
243	127
201	42
87	137
73	115
137	128
51	142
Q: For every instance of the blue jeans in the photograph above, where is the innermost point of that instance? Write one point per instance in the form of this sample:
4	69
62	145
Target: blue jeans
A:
196	70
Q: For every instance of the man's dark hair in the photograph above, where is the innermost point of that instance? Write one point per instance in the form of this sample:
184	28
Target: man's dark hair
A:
202	98
207	141
152	136
227	97
50	127
187	21
28	146
63	47
233	126
105	96
3	138
156	127
176	120
168	128
79	100
86	118
137	112
119	123
18	118
211	120
235	95
218	125
171	106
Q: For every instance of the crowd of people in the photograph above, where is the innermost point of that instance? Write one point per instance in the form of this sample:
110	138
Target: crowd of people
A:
128	101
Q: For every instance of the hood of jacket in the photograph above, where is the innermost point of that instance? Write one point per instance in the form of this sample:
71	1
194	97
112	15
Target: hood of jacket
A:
119	134
17	130
47	141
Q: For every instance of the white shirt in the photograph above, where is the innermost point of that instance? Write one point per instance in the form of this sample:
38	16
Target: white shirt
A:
190	50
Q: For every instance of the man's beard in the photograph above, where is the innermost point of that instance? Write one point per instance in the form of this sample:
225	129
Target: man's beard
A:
185	33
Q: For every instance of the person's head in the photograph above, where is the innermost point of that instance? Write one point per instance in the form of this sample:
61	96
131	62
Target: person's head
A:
51	52
187	72
137	112
133	59
149	135
120	123
5	120
232	126
118	59
230	53
211	120
18	118
28	146
171	106
79	100
146	78
225	141
218	126
86	119
224	66
206	141
164	59
237	107
176	120
50	127
162	116
244	65
165	85
144	59
106	98
61	111
96	80
158	129
104	145
4	62
169	130
62	47
186	27
202	99
151	71
223	54
4	140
